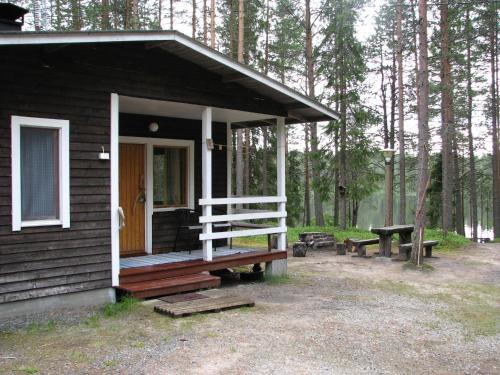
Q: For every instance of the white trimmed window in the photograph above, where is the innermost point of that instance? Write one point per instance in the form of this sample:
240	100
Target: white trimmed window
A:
40	172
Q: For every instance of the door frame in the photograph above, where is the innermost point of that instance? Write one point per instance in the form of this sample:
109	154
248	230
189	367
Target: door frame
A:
149	143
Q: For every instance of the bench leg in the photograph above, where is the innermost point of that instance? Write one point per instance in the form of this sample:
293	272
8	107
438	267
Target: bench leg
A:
404	254
428	252
362	251
385	246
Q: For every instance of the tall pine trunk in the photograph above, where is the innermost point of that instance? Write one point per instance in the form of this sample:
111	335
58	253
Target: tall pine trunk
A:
239	133
212	24
318	204
472	161
193	21
423	136
447	126
307	183
494	123
401	120
105	25
205	22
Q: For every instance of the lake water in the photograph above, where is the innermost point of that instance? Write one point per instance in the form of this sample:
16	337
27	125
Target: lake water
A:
372	214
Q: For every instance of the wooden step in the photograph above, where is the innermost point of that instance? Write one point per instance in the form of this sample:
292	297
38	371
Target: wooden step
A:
173	285
163	271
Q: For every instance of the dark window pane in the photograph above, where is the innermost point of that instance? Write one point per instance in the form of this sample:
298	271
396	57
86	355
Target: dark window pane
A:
39	173
169	177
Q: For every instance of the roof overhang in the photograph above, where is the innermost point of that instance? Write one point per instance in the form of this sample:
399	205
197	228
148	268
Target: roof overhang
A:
300	108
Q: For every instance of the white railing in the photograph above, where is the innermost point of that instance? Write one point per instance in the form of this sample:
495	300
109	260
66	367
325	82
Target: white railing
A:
209	219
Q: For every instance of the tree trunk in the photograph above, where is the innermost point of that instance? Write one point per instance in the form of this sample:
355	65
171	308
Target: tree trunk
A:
160	13
231	29
76	21
239	133
472	161
457	183
212	24
447	127
401	120
355	209
105	25
36	14
265	190
307	193
171	14
318	204
336	197
423	137
390	185
205	24
193	20
494	126
241	31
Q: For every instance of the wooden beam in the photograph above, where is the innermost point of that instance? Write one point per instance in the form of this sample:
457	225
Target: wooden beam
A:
241	233
243	216
241	200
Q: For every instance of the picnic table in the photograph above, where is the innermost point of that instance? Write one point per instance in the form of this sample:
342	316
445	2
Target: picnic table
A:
385	235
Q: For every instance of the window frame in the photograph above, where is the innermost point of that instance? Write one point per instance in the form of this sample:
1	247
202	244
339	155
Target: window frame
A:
62	126
187	188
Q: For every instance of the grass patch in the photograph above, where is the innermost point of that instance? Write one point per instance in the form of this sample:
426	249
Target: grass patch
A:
124	305
37	328
277	280
28	369
447	243
424	267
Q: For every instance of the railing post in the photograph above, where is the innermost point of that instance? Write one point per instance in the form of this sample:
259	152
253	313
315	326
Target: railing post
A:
206	157
281	176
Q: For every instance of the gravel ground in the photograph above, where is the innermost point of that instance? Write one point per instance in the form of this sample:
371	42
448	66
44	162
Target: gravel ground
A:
333	315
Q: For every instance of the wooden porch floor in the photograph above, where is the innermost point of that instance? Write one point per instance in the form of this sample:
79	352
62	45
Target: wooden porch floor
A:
178	256
179	272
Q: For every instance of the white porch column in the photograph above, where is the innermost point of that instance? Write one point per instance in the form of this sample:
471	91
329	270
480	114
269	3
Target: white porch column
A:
280	173
206	157
229	167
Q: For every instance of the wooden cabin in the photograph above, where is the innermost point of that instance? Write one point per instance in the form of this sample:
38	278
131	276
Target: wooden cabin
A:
104	136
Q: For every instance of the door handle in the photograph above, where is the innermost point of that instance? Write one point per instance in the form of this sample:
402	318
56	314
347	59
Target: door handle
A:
121	218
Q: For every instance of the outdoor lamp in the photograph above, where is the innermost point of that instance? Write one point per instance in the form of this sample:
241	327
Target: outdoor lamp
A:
388	154
153	127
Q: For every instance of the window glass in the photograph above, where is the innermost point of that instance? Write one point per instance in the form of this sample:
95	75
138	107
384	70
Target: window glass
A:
170	177
39	173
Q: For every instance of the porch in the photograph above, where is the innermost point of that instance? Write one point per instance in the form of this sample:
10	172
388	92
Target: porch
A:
146	196
170	273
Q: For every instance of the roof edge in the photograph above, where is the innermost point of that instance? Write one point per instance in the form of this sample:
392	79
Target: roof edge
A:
39	38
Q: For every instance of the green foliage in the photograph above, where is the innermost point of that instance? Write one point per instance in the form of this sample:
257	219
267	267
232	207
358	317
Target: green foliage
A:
125	305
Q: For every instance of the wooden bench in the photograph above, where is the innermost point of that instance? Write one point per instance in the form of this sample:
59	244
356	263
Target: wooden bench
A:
360	245
405	249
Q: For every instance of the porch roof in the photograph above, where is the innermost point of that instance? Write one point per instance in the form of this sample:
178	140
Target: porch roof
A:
299	107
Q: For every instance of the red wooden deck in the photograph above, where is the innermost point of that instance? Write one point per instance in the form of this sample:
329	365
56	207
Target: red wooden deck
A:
171	278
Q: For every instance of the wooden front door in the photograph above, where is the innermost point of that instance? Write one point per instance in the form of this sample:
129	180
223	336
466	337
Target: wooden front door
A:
132	198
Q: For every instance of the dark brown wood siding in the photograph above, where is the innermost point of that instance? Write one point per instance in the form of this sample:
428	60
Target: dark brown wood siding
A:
164	223
74	83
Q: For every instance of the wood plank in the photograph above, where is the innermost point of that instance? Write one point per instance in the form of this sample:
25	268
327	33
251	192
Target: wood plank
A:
182	297
207	305
162	287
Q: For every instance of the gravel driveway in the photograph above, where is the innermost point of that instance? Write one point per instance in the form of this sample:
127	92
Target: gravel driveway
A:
333	315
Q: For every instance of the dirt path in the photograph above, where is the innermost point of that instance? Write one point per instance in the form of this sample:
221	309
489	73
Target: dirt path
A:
333	315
